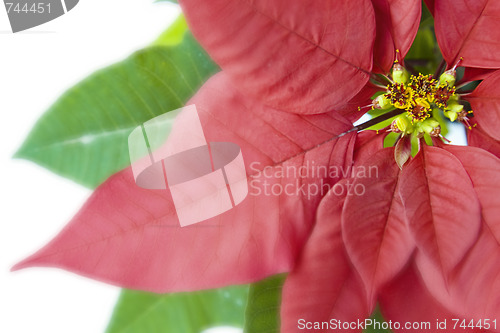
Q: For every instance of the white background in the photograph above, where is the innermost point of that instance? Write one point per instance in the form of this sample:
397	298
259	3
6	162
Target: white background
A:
36	66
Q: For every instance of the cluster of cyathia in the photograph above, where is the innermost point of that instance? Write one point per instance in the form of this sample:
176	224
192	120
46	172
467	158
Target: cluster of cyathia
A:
418	95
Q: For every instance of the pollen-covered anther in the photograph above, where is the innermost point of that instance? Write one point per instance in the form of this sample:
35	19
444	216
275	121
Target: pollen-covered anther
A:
436	132
420	111
394	127
400	96
442	94
422	85
463	117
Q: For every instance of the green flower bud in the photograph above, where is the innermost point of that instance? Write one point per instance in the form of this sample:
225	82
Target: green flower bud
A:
430	125
418	131
451	115
382	102
403	124
400	74
448	78
455	107
453	99
432	122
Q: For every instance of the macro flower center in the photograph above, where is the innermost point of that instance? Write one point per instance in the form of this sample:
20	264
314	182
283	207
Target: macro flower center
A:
416	103
419	97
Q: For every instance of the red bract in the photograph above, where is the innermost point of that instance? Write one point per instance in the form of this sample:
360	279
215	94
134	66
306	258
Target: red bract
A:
303	64
376	221
485	101
468	29
131	237
397	25
423	239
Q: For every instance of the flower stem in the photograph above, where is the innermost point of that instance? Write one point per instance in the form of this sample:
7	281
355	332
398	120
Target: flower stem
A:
380	80
376	120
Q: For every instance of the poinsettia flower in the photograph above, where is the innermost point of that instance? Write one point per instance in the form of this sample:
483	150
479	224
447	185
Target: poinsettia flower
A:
293	77
130	236
445	193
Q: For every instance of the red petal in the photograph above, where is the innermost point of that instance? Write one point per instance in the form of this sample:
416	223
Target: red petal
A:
397	26
430	5
405	17
324	286
483	169
131	237
474	74
468	29
368	143
384	51
441	206
363	98
472	291
474	287
295	56
407	300
374	227
485	102
477	138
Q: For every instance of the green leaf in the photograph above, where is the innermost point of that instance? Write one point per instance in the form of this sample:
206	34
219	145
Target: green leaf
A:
139	312
263	309
377	317
424	55
174	34
264	302
83	136
424	45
